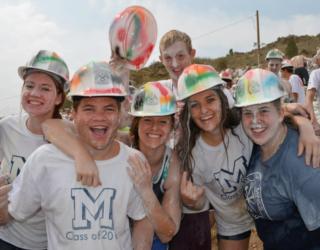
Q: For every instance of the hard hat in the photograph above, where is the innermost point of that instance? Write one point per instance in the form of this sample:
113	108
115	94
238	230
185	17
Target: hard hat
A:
225	75
132	35
286	64
96	79
257	86
197	78
274	54
48	62
153	99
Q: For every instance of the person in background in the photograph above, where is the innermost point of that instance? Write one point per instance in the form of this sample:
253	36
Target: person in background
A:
279	187
297	88
274	59
313	90
299	64
91	217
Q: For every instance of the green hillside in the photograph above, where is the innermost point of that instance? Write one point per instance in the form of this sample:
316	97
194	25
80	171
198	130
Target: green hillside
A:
307	45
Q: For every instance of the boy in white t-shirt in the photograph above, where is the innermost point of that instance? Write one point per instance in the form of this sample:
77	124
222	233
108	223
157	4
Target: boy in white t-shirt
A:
80	217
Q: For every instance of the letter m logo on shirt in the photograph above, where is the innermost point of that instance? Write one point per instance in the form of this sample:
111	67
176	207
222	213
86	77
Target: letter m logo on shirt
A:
89	209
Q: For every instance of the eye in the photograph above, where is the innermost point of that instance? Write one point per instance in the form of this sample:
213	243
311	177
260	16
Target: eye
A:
110	109
264	111
247	113
45	88
87	109
164	122
180	56
146	119
193	105
28	85
167	58
211	99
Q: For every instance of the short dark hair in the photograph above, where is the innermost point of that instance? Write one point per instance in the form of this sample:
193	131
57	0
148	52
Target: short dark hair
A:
77	99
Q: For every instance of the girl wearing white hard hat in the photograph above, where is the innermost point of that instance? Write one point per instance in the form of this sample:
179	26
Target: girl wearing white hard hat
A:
279	187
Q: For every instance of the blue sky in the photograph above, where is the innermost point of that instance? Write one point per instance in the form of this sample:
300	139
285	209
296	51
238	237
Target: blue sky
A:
78	30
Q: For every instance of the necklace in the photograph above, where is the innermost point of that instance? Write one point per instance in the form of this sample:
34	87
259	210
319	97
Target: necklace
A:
274	148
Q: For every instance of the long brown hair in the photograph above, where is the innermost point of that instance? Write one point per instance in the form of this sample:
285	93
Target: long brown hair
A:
190	131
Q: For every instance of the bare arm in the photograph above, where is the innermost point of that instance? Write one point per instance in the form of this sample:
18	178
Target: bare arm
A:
62	134
308	141
142	234
165	226
310	94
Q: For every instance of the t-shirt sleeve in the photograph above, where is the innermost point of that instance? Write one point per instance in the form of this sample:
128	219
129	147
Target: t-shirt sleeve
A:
25	198
314	80
305	185
296	84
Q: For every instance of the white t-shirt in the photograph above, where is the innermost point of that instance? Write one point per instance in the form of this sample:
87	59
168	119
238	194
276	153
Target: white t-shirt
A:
314	82
297	87
223	179
78	217
16	144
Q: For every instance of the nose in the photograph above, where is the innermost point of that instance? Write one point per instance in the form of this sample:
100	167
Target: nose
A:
35	92
99	115
255	117
174	62
203	109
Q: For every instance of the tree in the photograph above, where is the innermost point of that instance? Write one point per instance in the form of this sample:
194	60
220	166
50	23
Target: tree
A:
231	52
291	49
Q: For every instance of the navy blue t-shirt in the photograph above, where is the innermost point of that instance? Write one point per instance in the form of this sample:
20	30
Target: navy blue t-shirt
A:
283	197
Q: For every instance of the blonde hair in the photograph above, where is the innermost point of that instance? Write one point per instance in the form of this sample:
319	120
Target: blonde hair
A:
173	36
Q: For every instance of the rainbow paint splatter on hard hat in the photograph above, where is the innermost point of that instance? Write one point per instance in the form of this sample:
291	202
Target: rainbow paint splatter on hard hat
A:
257	86
196	78
96	79
153	99
133	34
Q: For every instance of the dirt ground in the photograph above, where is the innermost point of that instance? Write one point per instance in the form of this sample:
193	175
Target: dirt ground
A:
254	244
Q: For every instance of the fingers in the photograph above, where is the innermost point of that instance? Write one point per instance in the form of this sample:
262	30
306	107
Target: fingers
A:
308	154
4	195
89	178
316	156
300	148
190	193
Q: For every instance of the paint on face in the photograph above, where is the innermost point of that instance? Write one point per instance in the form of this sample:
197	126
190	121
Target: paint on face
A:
175	58
274	65
39	95
262	123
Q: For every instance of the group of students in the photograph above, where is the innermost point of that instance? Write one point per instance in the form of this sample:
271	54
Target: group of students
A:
245	163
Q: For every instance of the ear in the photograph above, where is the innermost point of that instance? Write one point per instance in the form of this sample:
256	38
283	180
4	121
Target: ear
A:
58	99
282	113
160	57
193	53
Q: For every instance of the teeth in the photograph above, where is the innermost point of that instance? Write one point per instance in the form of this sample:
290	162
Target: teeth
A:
153	136
34	102
99	131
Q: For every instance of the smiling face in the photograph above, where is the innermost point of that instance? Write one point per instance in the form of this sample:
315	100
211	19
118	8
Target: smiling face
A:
97	120
205	108
40	95
262	123
154	131
274	65
175	58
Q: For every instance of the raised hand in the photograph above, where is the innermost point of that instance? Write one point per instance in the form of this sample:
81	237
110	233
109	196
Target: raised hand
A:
192	195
